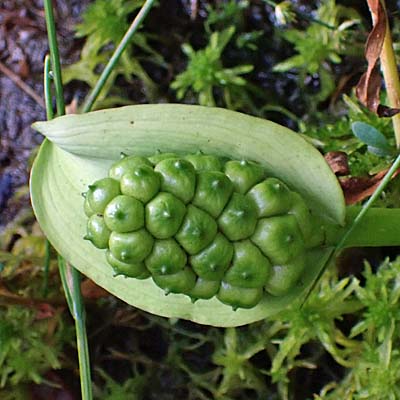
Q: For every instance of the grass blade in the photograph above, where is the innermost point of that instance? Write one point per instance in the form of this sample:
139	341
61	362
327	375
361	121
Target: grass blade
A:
55	56
71	278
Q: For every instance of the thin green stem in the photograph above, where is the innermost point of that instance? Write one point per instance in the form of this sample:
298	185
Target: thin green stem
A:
47	88
62	265
116	56
71	280
55	56
70	276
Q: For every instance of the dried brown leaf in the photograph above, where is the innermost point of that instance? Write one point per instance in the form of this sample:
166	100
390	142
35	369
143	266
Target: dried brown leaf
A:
385	111
338	162
368	87
357	189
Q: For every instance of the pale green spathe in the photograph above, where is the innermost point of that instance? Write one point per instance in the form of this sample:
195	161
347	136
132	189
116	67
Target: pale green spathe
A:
84	147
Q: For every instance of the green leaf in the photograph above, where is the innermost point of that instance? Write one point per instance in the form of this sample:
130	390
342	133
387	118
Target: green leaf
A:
370	136
296	61
84	146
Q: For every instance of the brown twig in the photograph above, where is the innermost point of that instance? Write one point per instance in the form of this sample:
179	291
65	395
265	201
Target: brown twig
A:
21	84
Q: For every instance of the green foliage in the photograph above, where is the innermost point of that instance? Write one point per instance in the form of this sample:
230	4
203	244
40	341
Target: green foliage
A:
233	356
375	373
104	24
314	322
29	346
34	333
106	20
225	14
321	44
132	388
339	136
284	12
205	71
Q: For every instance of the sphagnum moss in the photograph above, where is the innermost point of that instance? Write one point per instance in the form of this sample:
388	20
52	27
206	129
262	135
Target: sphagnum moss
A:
200	227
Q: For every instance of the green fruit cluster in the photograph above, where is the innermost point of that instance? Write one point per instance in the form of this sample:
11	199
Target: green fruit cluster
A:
201	227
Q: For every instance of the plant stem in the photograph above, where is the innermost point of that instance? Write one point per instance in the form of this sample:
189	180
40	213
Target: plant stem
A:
50	115
70	276
71	280
391	77
47	88
55	56
116	56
